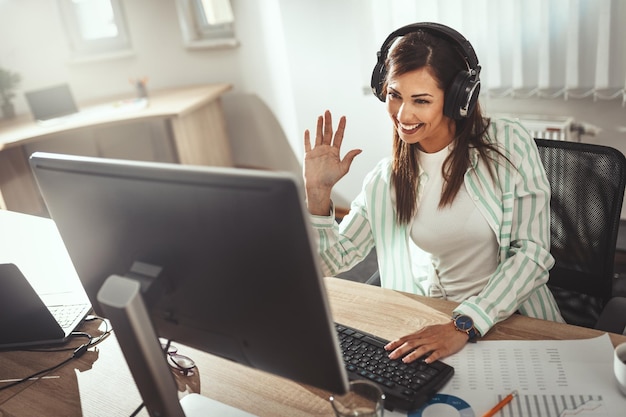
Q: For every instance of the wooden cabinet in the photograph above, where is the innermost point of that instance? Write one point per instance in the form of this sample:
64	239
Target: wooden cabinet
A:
182	125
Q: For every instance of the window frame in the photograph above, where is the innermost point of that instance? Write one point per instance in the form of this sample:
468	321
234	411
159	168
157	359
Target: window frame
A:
96	49
199	36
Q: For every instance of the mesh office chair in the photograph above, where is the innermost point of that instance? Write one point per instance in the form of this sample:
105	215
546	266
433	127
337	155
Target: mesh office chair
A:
587	183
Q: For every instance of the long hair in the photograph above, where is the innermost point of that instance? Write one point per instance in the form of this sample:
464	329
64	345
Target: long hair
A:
411	52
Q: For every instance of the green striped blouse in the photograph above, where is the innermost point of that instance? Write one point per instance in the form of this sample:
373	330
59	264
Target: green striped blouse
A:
516	206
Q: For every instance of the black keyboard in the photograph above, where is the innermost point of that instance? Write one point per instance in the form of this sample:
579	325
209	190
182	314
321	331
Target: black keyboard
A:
407	386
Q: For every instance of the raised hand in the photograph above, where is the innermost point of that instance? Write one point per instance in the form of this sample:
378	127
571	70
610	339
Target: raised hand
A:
323	165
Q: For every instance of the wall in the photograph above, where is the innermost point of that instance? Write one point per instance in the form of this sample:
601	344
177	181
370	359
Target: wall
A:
32	42
302	57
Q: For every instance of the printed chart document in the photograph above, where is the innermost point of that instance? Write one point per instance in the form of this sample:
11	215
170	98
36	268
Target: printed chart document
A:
553	378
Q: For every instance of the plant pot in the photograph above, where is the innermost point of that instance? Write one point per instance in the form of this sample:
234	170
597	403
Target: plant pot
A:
8	110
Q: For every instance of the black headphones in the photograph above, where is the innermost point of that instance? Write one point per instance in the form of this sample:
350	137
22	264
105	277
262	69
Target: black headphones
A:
462	94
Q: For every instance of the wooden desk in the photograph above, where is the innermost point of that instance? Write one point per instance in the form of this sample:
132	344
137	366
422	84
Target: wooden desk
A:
99	384
193	116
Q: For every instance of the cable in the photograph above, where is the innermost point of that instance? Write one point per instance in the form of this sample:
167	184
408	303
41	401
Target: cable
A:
107	331
63	349
93	340
78	352
137	410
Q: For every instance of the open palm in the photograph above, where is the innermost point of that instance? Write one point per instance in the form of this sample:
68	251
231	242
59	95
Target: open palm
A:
323	165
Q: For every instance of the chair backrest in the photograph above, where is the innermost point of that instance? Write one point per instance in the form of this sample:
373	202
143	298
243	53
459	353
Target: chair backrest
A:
258	141
587	183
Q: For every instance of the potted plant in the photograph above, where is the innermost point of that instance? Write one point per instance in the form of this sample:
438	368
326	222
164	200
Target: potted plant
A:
8	83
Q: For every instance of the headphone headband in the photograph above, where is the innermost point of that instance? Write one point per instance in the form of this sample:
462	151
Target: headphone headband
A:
465	91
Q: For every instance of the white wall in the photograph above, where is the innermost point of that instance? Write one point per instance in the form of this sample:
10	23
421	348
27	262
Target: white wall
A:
324	63
300	56
33	43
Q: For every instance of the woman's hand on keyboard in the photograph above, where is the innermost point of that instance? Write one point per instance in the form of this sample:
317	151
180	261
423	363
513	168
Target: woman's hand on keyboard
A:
435	341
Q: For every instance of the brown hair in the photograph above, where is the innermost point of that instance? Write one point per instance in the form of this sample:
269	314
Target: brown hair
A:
411	52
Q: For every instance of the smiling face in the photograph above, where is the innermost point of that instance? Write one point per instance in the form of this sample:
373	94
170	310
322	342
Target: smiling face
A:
415	105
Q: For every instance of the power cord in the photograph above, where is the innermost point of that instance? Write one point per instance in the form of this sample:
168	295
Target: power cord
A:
93	341
63	349
137	410
77	352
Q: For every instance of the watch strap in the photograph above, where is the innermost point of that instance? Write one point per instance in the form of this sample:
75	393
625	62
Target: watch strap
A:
473	335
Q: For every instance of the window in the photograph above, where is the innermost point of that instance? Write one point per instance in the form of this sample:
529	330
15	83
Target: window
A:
206	23
95	27
530	48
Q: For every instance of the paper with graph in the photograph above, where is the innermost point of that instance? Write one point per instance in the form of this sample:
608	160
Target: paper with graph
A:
553	378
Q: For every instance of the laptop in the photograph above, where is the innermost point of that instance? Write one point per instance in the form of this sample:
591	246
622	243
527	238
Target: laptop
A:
28	320
52	103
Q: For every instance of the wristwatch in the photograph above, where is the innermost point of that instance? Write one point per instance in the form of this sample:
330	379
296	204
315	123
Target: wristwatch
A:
465	324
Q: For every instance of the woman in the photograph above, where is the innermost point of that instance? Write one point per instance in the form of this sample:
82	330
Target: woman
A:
469	192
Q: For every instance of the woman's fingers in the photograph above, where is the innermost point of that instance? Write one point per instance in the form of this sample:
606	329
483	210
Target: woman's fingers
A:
307	140
318	131
341	127
324	130
349	157
328	128
435	341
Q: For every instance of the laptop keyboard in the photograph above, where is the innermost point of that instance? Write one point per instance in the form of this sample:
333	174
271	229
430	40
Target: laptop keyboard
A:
407	386
65	315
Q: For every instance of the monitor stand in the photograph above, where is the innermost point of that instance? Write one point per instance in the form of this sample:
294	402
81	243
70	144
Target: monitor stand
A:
121	300
196	405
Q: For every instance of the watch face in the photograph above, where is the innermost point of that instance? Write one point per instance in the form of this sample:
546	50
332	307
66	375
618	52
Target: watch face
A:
464	323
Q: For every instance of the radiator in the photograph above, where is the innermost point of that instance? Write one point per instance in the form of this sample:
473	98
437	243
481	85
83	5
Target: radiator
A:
548	127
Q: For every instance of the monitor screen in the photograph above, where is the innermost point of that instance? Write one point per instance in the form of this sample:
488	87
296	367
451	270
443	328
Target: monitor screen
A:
238	270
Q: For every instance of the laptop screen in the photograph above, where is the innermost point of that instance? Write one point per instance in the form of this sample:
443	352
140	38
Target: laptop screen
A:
51	102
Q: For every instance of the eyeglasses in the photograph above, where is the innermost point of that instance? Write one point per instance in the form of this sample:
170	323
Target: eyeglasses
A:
180	362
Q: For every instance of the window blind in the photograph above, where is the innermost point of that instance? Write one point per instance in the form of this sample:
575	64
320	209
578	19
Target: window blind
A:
527	49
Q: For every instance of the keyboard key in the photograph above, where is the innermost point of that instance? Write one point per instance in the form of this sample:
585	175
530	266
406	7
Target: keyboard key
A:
406	386
66	314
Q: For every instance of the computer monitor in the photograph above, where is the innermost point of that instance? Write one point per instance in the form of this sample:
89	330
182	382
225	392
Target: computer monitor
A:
222	260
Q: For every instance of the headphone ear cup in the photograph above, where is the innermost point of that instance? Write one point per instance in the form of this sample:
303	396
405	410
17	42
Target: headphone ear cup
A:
461	96
378	77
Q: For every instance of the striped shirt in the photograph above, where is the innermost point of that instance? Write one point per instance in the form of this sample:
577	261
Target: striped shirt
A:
515	205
